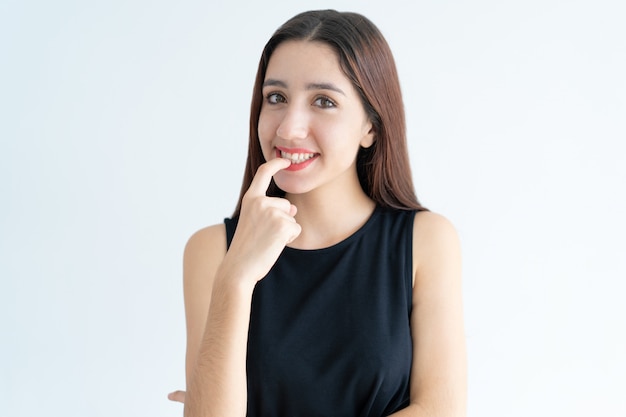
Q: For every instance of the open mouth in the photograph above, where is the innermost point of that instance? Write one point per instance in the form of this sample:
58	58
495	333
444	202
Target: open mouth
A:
300	158
297	158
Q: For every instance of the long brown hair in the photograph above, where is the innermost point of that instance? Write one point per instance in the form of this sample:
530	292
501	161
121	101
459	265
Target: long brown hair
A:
366	59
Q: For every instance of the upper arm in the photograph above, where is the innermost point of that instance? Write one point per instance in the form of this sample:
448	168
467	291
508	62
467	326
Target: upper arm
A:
438	377
203	254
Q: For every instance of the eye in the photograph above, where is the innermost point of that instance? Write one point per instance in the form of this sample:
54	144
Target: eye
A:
275	98
324	102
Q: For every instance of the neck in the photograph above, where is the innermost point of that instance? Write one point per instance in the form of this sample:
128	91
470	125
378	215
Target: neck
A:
329	219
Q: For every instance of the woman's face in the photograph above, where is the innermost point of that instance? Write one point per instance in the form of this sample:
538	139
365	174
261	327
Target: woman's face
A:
311	114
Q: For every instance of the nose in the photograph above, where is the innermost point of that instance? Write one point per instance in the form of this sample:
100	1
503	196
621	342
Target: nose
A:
294	124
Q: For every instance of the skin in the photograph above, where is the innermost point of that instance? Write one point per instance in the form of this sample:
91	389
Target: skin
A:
311	105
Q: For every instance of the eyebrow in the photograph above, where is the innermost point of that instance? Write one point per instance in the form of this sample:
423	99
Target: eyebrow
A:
311	86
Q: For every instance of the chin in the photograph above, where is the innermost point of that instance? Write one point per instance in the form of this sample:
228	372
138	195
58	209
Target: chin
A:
292	187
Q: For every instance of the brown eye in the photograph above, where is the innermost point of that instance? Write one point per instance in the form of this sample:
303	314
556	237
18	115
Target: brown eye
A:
275	98
324	102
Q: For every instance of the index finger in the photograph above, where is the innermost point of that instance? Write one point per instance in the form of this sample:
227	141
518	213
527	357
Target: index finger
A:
264	174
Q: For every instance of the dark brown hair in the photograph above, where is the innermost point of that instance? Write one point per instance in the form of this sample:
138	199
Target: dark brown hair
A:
366	59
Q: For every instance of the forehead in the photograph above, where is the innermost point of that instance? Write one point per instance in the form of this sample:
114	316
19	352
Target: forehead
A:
304	59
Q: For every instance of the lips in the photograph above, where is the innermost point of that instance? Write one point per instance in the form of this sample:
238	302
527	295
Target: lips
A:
300	158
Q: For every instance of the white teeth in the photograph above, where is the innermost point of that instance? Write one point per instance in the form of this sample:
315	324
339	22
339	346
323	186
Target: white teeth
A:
296	158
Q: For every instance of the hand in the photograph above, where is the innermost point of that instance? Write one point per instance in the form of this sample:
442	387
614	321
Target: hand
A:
178	396
266	225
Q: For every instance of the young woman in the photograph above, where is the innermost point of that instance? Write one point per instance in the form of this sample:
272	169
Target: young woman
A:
331	291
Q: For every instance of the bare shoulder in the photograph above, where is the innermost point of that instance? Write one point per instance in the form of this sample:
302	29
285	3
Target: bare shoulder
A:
203	254
207	243
435	241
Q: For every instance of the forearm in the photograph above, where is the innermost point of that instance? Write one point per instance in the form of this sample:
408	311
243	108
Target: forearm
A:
217	386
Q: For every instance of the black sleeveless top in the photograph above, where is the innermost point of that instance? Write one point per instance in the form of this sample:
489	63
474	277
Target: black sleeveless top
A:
329	328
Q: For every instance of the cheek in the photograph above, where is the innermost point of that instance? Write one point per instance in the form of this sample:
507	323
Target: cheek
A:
265	128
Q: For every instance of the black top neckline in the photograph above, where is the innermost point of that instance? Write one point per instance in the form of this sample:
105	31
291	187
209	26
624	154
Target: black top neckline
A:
348	240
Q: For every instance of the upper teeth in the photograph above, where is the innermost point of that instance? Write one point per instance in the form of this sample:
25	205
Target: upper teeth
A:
296	158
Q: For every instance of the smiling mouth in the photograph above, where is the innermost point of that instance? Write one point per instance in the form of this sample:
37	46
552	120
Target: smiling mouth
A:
296	158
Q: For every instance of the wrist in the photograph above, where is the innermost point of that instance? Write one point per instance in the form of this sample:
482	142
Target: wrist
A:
231	277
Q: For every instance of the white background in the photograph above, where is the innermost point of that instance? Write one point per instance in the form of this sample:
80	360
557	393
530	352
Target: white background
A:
123	129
